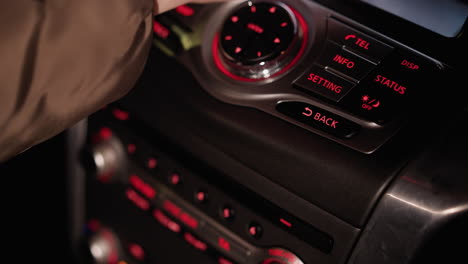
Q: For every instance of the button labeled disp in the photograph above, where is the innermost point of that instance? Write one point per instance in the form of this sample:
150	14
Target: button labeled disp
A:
318	118
321	82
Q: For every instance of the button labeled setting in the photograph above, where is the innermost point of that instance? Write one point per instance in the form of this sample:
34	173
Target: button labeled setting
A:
345	62
318	118
321	82
357	41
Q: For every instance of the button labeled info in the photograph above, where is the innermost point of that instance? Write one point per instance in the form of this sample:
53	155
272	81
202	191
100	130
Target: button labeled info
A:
318	118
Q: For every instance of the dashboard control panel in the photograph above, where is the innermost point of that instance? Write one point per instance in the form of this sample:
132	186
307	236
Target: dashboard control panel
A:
222	220
262	53
276	132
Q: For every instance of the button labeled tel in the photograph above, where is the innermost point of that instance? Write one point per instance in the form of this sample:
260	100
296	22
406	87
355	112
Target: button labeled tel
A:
357	41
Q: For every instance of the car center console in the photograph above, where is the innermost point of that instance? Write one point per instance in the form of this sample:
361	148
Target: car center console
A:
290	132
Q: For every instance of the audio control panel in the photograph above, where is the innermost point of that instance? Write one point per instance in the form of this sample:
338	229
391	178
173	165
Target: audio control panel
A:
355	86
193	204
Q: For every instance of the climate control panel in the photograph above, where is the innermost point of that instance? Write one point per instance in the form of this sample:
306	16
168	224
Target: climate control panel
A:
192	204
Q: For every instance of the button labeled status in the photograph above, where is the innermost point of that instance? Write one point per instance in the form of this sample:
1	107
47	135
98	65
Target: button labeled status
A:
318	118
357	41
345	62
321	82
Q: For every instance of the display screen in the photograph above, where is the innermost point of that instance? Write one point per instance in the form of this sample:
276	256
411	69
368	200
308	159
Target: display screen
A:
445	17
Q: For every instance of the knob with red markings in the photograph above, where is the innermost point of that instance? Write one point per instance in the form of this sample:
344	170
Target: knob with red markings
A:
105	157
281	256
104	247
260	39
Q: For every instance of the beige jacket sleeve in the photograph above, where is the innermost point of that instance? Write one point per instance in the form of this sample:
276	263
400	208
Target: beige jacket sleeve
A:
61	60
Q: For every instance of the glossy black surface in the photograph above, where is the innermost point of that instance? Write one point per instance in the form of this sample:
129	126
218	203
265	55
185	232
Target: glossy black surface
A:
319	118
257	33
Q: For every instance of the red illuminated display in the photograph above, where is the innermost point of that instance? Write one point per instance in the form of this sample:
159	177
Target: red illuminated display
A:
138	200
142	187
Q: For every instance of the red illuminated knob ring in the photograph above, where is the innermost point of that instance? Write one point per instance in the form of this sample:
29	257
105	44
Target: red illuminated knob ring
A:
266	69
281	256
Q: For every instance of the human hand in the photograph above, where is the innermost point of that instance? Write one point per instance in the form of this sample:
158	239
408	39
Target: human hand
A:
162	6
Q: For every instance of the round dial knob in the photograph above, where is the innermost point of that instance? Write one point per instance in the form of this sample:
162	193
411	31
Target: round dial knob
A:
104	247
258	33
281	256
259	40
106	157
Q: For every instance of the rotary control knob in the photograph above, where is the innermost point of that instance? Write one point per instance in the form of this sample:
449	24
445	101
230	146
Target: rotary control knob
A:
106	157
104	247
260	40
281	256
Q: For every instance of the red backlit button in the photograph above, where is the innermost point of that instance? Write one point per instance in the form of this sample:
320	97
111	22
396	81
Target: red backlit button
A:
185	10
318	118
228	213
345	62
201	196
136	251
195	242
137	199
321	82
255	230
224	244
166	221
357	41
393	90
175	179
143	187
152	163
